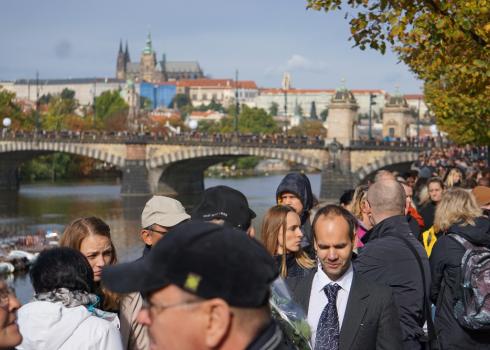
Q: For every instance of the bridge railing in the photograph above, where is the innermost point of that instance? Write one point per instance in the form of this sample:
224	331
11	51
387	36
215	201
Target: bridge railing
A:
212	139
203	139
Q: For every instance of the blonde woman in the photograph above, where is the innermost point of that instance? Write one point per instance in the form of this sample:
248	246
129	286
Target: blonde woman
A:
92	237
281	236
458	214
454	178
360	210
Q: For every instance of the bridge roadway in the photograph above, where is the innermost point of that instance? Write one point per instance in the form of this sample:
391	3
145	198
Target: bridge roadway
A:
153	163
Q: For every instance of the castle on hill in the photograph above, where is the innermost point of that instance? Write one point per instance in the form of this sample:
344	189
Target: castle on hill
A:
151	70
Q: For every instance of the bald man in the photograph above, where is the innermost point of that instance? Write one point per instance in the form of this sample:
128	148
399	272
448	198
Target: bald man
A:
386	258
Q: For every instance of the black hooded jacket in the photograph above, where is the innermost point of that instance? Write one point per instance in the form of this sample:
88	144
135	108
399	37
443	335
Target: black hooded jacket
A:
386	260
445	263
300	185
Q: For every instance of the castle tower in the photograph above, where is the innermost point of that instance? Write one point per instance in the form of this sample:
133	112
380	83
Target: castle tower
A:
396	117
121	63
148	63
342	114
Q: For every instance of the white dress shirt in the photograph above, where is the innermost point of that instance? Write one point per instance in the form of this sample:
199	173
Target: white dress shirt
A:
318	298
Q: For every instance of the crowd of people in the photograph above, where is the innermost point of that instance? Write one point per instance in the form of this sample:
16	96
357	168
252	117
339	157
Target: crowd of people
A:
400	263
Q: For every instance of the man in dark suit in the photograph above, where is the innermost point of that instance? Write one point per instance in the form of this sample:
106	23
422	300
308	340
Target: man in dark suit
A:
344	310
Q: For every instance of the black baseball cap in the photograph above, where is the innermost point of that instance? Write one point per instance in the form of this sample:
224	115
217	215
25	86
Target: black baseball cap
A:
205	259
225	203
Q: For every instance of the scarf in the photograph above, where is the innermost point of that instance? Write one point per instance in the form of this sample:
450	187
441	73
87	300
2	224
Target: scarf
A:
69	298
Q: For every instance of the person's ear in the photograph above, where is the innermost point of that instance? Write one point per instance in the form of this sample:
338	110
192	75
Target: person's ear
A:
354	241
146	237
251	232
218	325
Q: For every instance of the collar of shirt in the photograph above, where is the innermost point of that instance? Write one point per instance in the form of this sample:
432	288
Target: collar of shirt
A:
345	281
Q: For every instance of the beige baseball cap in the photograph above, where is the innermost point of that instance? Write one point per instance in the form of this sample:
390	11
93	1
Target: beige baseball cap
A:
163	211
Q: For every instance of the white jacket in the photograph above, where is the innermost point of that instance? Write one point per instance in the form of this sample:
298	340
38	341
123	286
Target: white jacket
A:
51	326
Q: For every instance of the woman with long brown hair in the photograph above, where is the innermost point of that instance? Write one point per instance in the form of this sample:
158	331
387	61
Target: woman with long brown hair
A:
92	237
281	236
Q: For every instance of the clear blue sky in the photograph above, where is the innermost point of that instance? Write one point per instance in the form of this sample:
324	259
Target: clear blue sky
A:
262	38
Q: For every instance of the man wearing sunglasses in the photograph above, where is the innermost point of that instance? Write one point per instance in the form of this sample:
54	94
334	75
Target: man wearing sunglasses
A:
160	215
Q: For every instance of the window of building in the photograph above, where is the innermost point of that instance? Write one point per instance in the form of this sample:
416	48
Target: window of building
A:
204	97
194	96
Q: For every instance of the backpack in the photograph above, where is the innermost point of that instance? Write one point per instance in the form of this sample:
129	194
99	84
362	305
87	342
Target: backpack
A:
472	308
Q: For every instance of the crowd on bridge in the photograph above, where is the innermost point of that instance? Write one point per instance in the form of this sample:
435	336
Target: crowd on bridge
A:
205	138
401	262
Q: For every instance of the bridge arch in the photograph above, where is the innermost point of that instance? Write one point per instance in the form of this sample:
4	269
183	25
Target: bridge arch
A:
81	149
360	174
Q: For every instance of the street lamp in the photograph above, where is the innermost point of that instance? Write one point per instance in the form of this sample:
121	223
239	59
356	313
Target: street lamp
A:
371	103
418	122
38	103
286	112
93	105
237	102
6	124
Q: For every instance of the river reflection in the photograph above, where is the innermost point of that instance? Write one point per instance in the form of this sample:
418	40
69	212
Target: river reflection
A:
51	207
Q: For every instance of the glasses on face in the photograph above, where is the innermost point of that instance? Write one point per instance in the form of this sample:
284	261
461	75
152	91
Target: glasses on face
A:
5	294
156	309
156	231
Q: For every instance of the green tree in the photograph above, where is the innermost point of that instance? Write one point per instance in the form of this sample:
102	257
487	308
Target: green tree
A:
324	114
45	99
256	120
180	100
11	109
110	104
274	109
445	43
67	94
58	111
298	110
313	114
213	106
309	128
250	120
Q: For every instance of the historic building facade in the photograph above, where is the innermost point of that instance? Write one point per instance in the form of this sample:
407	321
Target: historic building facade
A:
150	70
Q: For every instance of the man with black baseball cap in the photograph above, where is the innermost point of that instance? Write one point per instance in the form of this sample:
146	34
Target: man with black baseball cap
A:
225	205
207	286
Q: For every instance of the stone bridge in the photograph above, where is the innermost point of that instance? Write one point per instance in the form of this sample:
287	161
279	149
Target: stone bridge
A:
177	165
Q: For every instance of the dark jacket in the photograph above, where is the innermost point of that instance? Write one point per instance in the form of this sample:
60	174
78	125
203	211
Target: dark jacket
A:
293	268
370	320
427	212
414	225
299	184
271	338
445	263
387	260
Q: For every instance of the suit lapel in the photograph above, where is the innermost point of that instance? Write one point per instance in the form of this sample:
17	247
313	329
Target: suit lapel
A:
301	290
354	313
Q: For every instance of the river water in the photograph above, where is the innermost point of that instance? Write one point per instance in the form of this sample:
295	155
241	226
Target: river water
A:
52	206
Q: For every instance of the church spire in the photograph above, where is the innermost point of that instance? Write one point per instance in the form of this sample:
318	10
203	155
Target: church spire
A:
126	53
121	64
148	48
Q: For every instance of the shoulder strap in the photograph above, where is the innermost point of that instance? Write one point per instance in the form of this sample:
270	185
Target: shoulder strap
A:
463	241
427	308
